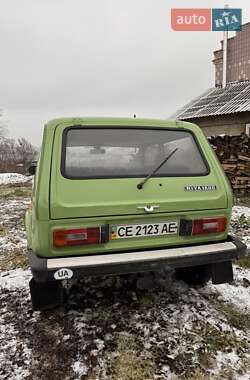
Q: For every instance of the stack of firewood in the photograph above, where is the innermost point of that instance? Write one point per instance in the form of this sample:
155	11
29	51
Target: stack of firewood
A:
234	155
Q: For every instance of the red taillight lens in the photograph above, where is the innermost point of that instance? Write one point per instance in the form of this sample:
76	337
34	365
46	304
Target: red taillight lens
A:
209	226
79	236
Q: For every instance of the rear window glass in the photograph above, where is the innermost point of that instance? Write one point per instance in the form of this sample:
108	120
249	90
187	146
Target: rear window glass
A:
114	153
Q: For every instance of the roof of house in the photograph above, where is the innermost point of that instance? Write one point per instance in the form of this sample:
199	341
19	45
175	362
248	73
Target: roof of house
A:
235	97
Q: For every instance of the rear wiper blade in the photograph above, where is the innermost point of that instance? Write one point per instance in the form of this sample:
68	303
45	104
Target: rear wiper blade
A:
142	183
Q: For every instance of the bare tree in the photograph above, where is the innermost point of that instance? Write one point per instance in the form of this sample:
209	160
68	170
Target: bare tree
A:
26	153
16	156
8	156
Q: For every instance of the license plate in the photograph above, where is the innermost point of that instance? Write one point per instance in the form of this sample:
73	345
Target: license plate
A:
141	230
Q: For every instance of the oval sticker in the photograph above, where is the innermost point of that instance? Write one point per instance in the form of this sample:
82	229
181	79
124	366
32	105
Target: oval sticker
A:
63	274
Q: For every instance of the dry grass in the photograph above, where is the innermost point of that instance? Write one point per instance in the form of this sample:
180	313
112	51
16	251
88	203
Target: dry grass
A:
3	230
244	262
12	260
129	365
15	191
198	375
235	317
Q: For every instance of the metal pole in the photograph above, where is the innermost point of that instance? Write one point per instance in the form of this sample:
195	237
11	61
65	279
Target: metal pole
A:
224	70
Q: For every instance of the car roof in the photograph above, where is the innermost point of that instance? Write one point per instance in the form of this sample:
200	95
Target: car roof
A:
121	122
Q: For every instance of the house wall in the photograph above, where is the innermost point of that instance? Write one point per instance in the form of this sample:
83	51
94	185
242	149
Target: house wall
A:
234	124
238	57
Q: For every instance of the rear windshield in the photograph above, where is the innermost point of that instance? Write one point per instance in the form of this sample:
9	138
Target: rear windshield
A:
114	153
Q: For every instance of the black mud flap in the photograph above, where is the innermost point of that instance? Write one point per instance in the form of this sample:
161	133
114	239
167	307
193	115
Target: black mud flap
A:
222	272
46	295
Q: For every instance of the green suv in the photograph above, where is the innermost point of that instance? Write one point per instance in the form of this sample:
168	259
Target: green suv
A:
127	195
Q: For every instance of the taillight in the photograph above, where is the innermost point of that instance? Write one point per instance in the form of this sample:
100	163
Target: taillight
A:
78	236
209	226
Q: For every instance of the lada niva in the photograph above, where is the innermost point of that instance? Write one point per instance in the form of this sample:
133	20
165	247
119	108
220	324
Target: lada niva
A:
127	195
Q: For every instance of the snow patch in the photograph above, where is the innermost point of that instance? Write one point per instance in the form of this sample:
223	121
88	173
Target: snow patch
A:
240	210
237	293
15	355
230	359
12	222
246	376
80	369
242	232
12	178
15	279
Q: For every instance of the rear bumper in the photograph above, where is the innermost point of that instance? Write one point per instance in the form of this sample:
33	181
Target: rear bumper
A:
44	269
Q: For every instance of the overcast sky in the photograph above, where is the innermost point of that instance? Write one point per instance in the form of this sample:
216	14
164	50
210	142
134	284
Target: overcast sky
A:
99	58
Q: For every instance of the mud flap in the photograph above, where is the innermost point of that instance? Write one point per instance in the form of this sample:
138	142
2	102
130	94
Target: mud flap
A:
46	295
222	272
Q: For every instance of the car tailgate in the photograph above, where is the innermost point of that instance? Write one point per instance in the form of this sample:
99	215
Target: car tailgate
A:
107	197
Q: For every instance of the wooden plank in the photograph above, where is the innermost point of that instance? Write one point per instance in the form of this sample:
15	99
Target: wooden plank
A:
243	158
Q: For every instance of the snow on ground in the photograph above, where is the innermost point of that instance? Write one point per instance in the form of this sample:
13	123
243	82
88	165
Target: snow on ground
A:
111	329
240	210
15	279
14	352
12	231
237	293
13	178
116	325
241	223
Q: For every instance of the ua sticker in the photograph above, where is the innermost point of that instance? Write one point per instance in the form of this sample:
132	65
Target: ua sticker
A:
63	274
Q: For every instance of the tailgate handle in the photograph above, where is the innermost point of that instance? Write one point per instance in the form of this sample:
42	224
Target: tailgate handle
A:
148	208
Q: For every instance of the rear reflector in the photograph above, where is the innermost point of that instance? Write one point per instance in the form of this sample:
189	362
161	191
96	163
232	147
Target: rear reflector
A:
79	236
209	226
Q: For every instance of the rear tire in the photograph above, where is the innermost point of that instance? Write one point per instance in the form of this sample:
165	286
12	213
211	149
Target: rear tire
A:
46	295
198	275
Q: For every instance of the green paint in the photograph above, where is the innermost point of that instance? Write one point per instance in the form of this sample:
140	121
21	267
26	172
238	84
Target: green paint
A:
63	203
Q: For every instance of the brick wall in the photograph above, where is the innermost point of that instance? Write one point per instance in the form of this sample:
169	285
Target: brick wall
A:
238	61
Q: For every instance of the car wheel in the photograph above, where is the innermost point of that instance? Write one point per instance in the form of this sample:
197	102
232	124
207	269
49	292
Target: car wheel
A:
198	275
